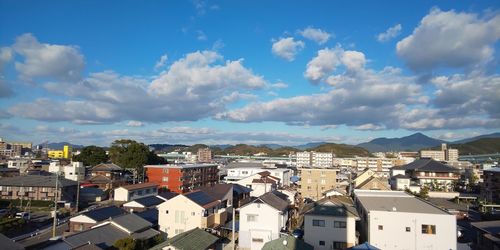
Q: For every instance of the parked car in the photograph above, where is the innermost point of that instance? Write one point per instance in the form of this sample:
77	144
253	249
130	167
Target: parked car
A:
23	215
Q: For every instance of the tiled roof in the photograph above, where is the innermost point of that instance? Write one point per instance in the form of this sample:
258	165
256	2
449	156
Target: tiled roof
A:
7	243
139	186
148	201
36	181
194	239
100	179
427	164
201	198
131	222
104	213
106	167
217	191
239	189
274	200
287	242
103	236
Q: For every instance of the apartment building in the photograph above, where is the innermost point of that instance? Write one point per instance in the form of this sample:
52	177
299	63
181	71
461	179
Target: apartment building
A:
75	171
135	191
397	220
314	159
238	171
315	181
21	164
182	178
107	176
491	185
38	187
445	154
204	155
66	153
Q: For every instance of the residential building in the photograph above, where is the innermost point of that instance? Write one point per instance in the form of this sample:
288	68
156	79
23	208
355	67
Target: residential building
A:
188	211
397	220
10	150
195	238
331	224
143	204
107	176
182	178
428	172
241	195
22	164
9	244
238	170
262	220
75	171
369	180
87	220
204	155
260	183
222	193
314	159
315	181
287	242
445	154
487	235
491	185
38	187
135	191
66	153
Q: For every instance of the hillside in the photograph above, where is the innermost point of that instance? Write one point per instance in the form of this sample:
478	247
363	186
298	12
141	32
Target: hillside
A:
341	150
481	146
413	142
494	135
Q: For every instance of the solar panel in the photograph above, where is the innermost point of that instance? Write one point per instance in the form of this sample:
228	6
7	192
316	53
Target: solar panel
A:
200	197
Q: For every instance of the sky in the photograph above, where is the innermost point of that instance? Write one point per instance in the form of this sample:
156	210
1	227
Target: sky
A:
256	72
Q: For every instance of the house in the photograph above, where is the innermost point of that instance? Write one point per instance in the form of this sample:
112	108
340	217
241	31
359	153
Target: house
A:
260	183
491	185
374	183
331	224
335	192
222	193
142	204
262	220
194	239
287	242
428	172
240	170
74	171
104	235
107	176
191	210
38	187
135	191
91	218
315	181
182	178
241	195
487	235
397	220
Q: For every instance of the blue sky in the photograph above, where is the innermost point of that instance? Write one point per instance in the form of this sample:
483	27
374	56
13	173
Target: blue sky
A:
218	72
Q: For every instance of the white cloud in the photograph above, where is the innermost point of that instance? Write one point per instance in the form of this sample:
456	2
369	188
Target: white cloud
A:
390	33
353	60
316	35
6	55
323	64
287	48
200	35
135	124
450	39
369	126
279	85
162	62
45	60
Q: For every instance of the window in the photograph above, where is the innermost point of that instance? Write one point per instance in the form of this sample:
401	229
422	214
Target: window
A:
339	224
321	242
323	181
165	170
251	217
193	213
339	245
260	240
408	229
309	181
139	192
380	227
318	223
428	229
166	211
179	231
244	172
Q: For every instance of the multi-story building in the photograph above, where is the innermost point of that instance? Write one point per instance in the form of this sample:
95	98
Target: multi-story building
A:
204	155
314	159
491	185
66	153
75	171
397	220
21	164
38	187
13	149
182	178
315	181
238	171
135	191
445	154
107	176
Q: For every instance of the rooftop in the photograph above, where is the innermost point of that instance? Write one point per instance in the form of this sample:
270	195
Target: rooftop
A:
427	164
287	242
490	227
167	195
106	167
201	198
139	186
181	166
36	181
397	201
131	223
148	201
274	200
194	239
104	213
218	191
494	169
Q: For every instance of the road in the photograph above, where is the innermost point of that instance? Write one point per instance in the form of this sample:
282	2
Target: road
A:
43	235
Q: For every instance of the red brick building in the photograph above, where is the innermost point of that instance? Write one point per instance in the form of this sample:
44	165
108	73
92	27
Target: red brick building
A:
182	178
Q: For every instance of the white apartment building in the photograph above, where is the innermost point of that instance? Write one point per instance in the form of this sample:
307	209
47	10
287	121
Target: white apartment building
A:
314	159
445	154
396	220
237	173
21	164
75	171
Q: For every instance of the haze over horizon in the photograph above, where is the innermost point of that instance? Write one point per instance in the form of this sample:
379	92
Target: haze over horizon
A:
229	72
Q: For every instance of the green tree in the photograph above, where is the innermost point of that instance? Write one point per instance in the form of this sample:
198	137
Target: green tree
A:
132	155
424	192
91	156
125	244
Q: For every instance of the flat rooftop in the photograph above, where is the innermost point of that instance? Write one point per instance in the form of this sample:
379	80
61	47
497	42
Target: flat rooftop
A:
397	201
181	166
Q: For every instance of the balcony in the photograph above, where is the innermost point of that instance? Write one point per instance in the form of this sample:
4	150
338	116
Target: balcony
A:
208	222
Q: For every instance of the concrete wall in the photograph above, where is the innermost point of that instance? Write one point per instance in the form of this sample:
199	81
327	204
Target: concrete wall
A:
183	215
329	234
266	226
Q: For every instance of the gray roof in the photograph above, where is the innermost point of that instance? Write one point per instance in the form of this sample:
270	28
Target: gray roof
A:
148	201
132	223
390	200
104	213
103	236
150	215
36	181
218	191
335	210
194	239
273	200
491	227
292	243
199	197
106	167
245	165
428	164
7	243
167	195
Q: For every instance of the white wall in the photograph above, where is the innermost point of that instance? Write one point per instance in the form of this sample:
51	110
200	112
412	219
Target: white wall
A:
122	194
329	234
267	225
75	171
188	216
394	235
241	173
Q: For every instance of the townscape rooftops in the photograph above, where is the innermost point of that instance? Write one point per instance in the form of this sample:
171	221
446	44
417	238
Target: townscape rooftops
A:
274	200
148	201
102	236
104	213
194	239
427	164
150	215
36	181
287	242
167	195
7	243
397	201
245	165
335	210
131	222
107	167
201	198
490	227
218	191
139	186
181	166
239	189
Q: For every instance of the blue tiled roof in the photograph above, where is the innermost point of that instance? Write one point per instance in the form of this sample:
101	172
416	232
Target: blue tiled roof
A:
104	213
200	197
149	201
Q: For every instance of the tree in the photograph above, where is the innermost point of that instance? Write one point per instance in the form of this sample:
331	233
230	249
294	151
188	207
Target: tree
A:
132	155
125	244
424	192
91	156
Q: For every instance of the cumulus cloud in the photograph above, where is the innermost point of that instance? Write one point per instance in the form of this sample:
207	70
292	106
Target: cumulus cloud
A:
287	48
317	35
279	85
390	33
194	87
46	60
369	126
450	39
161	63
6	55
323	64
135	124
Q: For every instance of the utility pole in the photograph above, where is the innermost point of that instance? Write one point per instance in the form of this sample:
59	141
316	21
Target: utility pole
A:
55	208
233	227
77	194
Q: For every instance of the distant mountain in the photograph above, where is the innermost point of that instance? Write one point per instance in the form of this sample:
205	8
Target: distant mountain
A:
481	146
221	146
341	150
494	135
271	145
168	147
309	145
413	142
60	145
